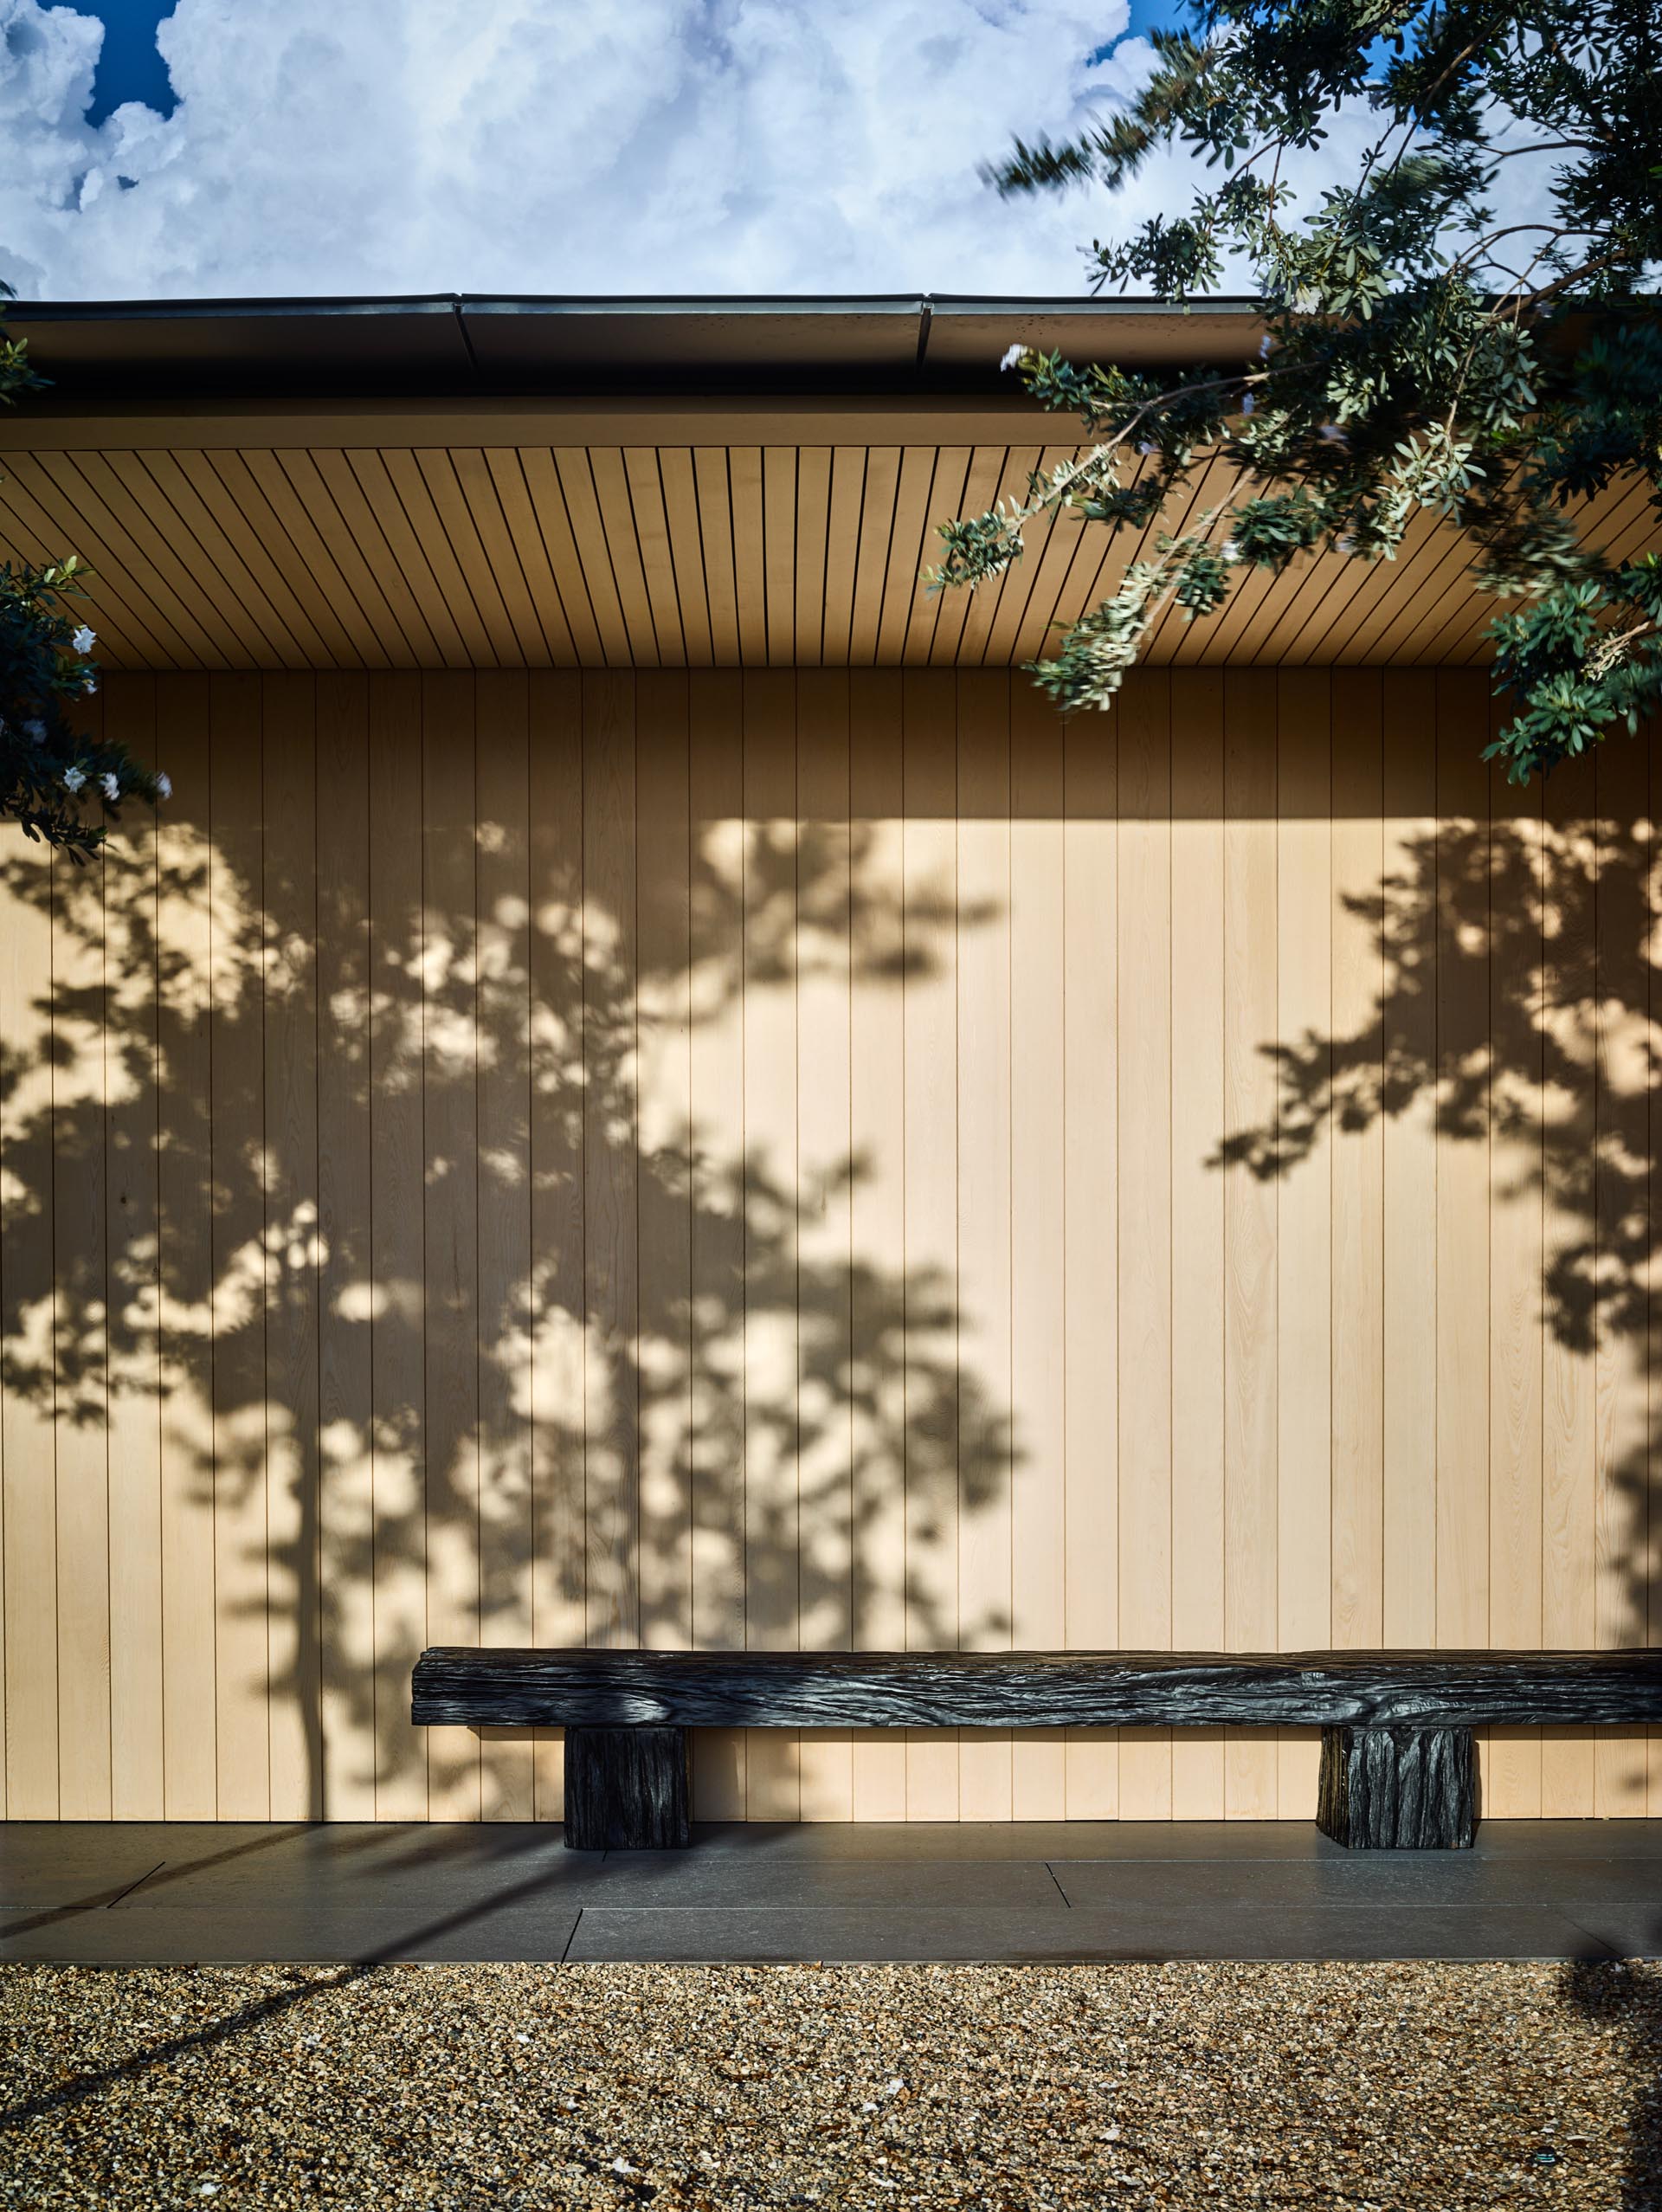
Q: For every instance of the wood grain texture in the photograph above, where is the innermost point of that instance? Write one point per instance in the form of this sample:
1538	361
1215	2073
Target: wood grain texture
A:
1317	1689
1398	1788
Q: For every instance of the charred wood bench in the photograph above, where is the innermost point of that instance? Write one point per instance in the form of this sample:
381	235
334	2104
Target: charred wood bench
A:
1398	1770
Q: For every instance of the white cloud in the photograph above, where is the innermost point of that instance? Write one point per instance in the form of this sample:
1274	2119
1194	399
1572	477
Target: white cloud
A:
560	145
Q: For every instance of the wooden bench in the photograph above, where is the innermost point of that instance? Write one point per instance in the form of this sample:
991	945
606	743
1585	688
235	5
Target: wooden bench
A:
1398	1770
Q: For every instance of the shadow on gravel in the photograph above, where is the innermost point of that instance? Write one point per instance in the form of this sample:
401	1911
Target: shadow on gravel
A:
80	2086
1622	2002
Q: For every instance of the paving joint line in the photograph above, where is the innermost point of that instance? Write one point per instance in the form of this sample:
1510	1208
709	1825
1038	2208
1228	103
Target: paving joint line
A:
110	1903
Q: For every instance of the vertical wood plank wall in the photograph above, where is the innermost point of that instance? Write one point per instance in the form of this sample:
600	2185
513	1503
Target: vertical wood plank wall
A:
830	1159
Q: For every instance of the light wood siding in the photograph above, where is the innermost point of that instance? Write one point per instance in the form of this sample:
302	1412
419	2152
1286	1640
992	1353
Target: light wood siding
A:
812	1157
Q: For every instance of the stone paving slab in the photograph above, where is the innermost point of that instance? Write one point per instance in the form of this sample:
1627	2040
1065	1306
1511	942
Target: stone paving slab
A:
698	1934
290	1934
1370	1878
236	1892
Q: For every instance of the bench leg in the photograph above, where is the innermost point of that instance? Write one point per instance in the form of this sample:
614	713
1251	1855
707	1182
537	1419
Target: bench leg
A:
626	1789
1398	1788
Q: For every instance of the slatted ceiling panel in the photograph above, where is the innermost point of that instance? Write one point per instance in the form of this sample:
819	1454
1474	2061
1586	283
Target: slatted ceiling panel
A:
901	588
977	486
1056	558
779	552
158	486
348	532
1000	604
328	554
1096	564
200	612
1316	601
946	497
871	551
1436	575
116	633
750	572
1020	579
811	550
322	535
559	548
1332	629
161	485
193	477
1631	526
467	599
710	478
611	483
575	486
657	561
533	609
679	487
38	502
473	518
1182	512
644	556
562	607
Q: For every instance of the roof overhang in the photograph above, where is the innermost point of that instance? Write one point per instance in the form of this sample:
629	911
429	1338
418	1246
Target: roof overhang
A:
461	480
460	345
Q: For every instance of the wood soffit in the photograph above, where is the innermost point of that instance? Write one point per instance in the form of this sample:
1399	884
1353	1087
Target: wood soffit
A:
624	527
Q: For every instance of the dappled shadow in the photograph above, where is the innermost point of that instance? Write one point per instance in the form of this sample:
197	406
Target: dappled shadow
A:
1622	2004
1519	992
1519	987
613	1382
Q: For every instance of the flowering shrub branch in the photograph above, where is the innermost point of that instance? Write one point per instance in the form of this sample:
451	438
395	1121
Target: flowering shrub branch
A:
55	782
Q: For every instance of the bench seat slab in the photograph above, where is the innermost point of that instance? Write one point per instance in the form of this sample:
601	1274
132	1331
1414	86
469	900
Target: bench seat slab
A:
626	1789
1398	1788
759	1689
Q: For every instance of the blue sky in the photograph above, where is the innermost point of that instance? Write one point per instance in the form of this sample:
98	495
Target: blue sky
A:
362	147
131	68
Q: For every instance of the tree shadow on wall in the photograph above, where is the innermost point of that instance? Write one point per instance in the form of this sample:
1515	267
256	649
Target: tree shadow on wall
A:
510	1341
1520	991
1520	985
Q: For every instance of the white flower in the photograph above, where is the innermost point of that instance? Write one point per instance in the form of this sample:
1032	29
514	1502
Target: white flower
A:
1307	301
111	787
1264	346
1229	551
1247	404
74	779
84	639
90	683
1146	445
163	785
1012	355
1332	433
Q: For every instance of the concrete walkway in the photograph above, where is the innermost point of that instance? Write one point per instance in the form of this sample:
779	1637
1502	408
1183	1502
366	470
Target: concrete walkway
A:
129	1894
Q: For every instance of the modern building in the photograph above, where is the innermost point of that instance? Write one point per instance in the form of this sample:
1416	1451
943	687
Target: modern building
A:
644	1087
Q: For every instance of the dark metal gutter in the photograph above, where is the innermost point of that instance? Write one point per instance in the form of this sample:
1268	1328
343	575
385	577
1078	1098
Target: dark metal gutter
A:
459	343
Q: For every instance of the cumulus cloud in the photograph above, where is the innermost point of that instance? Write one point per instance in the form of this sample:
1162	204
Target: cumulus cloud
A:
560	145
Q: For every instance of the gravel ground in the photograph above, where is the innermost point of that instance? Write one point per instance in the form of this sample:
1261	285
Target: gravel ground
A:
994	2086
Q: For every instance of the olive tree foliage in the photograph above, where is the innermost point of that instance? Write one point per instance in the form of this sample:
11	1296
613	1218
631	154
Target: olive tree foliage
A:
55	782
1420	354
